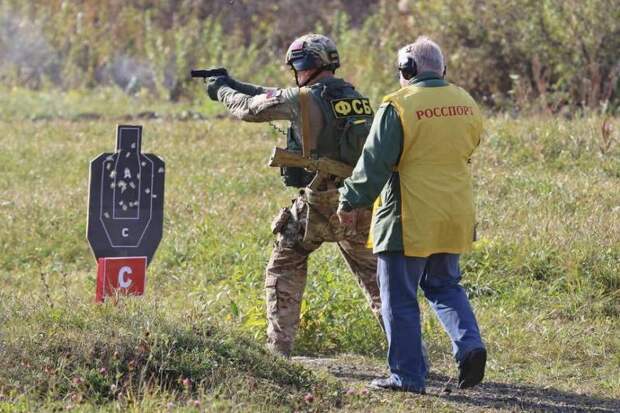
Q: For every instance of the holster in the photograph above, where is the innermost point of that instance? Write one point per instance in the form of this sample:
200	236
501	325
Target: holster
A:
280	220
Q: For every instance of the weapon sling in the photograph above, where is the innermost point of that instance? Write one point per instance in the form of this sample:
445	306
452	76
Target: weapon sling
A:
308	145
304	105
319	206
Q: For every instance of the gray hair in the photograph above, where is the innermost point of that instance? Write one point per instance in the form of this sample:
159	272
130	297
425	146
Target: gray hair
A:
426	54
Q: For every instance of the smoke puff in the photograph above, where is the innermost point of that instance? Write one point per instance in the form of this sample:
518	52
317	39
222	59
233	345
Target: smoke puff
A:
131	74
23	46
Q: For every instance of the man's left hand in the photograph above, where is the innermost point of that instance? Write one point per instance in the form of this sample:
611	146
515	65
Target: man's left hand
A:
347	216
214	84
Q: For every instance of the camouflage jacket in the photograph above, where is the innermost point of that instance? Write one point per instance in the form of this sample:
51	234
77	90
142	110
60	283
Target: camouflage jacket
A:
253	103
340	117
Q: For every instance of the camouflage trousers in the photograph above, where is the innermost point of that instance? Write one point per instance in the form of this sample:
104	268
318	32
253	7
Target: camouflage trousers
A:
300	230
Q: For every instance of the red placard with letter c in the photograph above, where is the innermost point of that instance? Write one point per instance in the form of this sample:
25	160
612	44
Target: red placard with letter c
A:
120	275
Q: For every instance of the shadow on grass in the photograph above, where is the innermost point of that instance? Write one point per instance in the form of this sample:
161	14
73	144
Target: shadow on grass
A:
520	397
488	395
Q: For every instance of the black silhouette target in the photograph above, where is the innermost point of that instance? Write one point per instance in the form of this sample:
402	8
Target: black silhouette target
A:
126	199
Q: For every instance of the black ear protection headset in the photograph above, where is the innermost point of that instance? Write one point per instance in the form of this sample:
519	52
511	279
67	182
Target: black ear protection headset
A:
409	68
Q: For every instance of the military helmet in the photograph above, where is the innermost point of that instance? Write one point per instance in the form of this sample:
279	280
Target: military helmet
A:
313	51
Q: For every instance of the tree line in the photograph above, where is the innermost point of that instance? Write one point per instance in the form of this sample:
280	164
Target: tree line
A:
523	55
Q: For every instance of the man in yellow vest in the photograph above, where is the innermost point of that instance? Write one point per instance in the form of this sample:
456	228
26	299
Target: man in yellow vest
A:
416	158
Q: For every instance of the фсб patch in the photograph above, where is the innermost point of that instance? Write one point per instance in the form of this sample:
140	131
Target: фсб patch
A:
344	108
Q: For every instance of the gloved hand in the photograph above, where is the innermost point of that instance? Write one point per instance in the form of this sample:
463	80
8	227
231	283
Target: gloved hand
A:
347	216
214	84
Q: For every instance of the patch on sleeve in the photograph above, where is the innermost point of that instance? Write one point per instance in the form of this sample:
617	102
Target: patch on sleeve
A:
344	108
274	93
259	103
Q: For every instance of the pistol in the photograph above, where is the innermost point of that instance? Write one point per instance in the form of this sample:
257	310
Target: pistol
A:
205	73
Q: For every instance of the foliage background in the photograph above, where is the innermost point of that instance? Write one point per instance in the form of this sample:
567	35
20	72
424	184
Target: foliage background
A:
534	55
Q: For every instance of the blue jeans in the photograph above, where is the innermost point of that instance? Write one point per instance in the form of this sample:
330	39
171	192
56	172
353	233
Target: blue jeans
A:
438	275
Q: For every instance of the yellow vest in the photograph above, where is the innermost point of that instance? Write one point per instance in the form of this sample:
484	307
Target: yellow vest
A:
441	128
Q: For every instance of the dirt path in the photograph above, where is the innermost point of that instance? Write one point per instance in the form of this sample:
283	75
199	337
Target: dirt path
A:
442	395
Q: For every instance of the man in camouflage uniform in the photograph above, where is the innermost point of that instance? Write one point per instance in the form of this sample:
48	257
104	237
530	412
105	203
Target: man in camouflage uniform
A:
339	119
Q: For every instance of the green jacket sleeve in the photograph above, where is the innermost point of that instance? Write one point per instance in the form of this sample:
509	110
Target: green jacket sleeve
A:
379	156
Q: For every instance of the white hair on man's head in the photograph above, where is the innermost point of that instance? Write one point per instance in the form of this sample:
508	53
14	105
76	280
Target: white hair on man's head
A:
426	54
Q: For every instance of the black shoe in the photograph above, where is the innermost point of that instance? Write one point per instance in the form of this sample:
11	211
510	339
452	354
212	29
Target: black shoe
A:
471	368
390	384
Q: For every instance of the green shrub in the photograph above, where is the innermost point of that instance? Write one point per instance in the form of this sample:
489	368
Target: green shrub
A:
537	56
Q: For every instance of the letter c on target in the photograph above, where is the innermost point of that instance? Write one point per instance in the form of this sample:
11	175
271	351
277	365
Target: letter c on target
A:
122	281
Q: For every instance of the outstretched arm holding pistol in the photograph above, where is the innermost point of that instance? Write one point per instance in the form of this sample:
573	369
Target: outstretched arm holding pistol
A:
248	102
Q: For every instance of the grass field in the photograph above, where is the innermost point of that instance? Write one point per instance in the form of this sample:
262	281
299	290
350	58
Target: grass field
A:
544	277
